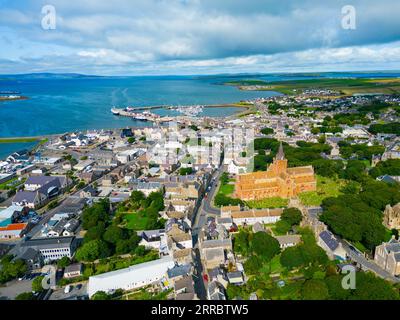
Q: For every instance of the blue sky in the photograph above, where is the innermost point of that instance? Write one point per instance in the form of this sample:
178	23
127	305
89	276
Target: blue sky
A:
135	37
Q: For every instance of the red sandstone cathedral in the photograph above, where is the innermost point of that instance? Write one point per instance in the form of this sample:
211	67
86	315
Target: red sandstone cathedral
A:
277	181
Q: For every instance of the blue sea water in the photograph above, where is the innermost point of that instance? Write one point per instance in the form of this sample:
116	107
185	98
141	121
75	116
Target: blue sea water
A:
61	103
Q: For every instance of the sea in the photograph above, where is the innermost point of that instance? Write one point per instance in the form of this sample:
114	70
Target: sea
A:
59	103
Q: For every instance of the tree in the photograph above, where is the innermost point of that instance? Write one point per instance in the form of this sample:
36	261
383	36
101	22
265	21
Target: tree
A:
335	288
241	242
264	245
101	295
93	250
315	290
95	232
37	284
99	211
113	234
370	287
185	171
253	264
267	131
131	140
282	227
63	262
25	296
292	258
292	216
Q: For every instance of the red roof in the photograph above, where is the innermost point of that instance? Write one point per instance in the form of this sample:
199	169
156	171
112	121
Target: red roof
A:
14	226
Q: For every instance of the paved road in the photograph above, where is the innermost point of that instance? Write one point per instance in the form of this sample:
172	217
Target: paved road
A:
14	288
205	209
367	264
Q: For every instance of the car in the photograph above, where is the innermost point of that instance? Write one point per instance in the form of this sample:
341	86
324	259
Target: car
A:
67	289
79	286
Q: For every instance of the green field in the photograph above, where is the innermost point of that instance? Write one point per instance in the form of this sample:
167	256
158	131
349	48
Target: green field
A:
135	221
344	86
17	140
274	202
326	187
226	189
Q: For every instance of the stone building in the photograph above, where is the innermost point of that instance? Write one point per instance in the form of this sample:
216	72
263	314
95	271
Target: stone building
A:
387	256
277	181
391	216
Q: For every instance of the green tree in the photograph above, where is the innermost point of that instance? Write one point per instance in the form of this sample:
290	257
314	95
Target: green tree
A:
265	246
93	250
63	262
37	284
292	258
315	290
292	216
113	234
25	296
100	295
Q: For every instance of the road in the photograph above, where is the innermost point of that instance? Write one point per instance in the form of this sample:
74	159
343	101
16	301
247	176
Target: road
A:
205	209
367	264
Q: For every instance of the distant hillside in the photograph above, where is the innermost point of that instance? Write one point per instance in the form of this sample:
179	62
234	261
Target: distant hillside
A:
47	76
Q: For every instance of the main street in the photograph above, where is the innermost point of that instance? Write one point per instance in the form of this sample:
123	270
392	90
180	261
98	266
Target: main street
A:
204	210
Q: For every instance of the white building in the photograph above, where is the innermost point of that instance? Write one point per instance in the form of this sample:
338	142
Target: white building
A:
136	276
250	217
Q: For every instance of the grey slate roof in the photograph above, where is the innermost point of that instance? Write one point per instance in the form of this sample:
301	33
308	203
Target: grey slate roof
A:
25	196
177	270
329	240
48	243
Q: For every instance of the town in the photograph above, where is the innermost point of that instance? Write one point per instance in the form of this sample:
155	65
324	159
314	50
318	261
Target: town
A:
271	203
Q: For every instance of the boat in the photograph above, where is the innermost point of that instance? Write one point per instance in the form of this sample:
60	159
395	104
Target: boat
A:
115	111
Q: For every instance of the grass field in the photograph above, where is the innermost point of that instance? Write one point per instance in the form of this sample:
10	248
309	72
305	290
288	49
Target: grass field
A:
17	140
135	221
226	189
344	86
274	202
326	187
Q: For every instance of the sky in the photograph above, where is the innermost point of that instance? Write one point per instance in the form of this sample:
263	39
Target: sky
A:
154	37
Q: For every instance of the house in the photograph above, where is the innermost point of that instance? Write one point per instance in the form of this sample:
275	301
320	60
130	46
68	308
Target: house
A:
148	187
52	248
32	259
288	240
38	190
387	256
334	249
178	272
88	192
184	289
13	230
235	277
213	257
153	239
250	217
215	291
73	270
135	276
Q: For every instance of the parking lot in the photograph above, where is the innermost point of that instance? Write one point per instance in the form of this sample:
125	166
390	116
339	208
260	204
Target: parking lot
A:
78	291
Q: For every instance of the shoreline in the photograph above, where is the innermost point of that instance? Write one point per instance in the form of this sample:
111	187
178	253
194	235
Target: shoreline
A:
5	98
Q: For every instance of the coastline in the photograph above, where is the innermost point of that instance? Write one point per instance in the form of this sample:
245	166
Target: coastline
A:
5	98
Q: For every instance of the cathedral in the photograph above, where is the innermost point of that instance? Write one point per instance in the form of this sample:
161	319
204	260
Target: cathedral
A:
277	181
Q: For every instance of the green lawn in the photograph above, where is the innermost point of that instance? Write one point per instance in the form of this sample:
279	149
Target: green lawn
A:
274	202
326	187
226	189
17	140
14	182
135	221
